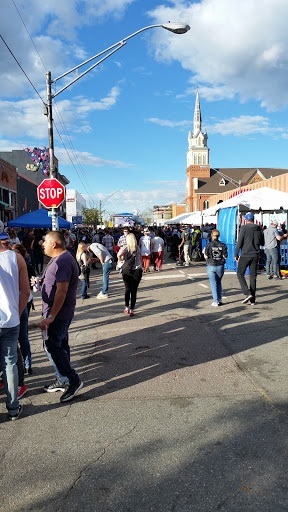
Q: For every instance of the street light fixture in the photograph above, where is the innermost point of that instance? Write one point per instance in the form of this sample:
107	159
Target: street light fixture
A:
104	201
176	28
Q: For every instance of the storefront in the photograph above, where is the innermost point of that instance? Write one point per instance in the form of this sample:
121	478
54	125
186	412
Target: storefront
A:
8	191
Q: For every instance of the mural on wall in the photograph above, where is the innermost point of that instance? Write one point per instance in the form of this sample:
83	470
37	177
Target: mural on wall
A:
40	157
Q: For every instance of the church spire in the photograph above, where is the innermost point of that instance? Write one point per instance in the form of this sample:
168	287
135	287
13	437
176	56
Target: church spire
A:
197	116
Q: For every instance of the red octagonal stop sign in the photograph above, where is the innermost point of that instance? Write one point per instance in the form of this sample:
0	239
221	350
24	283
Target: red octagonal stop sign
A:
51	193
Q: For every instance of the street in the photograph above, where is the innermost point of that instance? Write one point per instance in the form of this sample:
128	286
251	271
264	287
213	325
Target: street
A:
184	406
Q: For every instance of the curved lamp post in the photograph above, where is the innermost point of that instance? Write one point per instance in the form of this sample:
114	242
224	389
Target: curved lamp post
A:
176	28
104	200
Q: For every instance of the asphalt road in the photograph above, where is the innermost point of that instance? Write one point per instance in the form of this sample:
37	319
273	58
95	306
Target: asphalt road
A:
184	406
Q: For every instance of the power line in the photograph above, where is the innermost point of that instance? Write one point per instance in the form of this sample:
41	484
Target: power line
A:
21	68
56	109
29	34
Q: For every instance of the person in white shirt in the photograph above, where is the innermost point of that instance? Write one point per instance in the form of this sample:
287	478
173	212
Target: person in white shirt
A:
14	293
145	245
157	251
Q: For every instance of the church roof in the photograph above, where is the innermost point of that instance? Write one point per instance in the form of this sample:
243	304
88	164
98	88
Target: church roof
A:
211	185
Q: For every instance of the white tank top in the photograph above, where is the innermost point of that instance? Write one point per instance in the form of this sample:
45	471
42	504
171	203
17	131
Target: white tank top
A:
9	290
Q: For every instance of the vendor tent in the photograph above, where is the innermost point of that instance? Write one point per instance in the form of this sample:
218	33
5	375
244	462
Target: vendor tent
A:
196	218
178	219
263	199
38	219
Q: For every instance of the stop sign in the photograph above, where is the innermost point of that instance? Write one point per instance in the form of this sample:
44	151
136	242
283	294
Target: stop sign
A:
51	193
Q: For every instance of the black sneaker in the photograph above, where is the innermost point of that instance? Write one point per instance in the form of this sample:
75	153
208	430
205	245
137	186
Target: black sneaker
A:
55	386
13	417
71	392
249	297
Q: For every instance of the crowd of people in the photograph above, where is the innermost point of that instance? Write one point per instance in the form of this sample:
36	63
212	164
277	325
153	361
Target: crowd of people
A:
71	256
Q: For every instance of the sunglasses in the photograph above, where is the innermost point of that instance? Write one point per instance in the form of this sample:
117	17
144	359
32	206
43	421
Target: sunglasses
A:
6	243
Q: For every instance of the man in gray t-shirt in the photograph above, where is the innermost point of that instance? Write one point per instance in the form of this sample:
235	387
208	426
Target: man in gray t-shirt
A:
271	237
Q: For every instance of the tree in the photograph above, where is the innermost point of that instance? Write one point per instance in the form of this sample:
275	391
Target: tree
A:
147	216
91	216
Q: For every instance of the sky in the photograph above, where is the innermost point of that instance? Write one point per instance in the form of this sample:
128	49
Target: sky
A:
121	131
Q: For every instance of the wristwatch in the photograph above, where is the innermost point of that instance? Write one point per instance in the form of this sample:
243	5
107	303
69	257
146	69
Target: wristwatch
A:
50	317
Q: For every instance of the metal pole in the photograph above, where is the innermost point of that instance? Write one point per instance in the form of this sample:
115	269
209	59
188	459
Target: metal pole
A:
100	212
55	225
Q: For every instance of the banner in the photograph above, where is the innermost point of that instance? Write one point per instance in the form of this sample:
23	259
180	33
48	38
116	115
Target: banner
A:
40	157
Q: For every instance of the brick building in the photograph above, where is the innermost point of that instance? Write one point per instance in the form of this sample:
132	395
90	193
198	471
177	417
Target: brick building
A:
203	183
8	191
28	181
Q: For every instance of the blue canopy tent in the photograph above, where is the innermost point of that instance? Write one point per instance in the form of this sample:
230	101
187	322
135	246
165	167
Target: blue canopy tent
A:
38	219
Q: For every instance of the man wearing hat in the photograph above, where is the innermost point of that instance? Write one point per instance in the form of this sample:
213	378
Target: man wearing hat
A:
271	237
249	242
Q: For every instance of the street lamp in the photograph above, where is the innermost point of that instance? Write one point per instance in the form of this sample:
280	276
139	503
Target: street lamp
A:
104	200
176	28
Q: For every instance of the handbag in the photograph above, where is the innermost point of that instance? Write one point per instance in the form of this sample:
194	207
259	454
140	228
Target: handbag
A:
128	264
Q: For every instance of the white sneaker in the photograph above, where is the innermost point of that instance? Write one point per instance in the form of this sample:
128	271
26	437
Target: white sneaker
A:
215	304
102	295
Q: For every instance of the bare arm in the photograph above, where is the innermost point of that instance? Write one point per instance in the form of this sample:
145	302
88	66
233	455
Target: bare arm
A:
24	287
60	295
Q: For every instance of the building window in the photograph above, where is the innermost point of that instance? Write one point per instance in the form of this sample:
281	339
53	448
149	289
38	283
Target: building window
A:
205	204
195	159
222	182
204	159
199	159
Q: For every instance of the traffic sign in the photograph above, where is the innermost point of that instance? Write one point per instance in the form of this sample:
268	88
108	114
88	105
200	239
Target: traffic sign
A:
51	193
77	220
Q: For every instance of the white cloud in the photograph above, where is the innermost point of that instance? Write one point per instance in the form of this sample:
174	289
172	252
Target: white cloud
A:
168	123
247	125
25	118
86	158
51	24
233	48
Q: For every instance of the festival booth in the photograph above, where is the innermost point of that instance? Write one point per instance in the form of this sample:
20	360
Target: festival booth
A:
266	204
179	219
38	219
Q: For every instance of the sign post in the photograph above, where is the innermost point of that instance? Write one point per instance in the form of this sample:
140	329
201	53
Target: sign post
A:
51	193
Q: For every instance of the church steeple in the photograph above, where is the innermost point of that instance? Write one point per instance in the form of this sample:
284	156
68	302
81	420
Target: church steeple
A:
197	116
198	152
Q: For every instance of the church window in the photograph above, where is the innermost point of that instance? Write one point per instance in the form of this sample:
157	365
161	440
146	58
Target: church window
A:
200	159
195	159
205	204
222	182
204	159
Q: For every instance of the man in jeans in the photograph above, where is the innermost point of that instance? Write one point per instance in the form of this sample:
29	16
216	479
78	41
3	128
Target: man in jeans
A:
106	261
249	241
14	293
271	237
59	299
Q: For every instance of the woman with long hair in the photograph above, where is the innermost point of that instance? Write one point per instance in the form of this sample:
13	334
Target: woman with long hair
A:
130	257
83	261
215	254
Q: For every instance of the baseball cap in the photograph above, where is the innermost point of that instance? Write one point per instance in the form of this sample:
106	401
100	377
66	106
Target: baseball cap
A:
4	236
249	216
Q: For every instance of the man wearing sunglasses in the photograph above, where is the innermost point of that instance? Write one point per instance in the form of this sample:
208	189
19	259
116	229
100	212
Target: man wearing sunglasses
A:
14	293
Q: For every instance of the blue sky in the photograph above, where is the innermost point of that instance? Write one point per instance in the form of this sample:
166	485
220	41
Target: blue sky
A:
125	125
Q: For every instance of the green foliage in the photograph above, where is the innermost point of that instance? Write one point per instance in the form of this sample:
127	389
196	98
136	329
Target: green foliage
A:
91	216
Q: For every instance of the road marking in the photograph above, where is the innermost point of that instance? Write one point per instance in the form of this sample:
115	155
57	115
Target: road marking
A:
172	276
264	394
203	285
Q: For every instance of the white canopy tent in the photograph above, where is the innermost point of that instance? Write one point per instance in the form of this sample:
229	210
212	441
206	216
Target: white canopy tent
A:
197	218
263	199
177	220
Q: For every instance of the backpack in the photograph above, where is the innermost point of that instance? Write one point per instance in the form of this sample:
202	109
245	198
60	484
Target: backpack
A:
128	264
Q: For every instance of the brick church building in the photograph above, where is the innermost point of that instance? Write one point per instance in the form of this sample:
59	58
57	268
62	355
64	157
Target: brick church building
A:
203	182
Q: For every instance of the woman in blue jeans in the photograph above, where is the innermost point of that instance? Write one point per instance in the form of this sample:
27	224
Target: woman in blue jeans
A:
215	254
